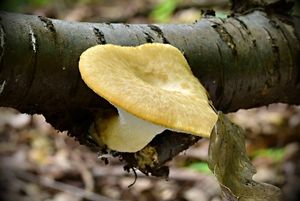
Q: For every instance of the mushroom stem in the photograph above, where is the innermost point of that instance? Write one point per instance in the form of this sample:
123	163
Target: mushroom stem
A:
128	133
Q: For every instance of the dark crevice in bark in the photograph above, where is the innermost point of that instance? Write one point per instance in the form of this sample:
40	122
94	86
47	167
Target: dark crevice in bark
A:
243	24
226	37
245	28
274	70
148	37
99	35
159	33
274	23
48	23
287	37
155	29
165	40
2	44
186	57
239	30
296	25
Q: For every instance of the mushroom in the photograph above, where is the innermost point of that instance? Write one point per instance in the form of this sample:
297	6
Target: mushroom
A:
153	89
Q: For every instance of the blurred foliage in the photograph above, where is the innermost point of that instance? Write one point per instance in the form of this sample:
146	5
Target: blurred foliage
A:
21	5
276	154
222	14
199	167
163	11
18	5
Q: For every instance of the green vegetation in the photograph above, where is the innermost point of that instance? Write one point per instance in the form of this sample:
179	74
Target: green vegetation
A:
222	14
275	154
199	167
19	5
163	11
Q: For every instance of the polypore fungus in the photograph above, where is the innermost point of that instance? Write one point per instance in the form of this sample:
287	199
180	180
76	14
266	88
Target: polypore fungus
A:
153	88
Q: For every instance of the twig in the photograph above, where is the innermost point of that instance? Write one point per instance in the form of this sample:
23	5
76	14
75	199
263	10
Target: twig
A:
59	186
179	174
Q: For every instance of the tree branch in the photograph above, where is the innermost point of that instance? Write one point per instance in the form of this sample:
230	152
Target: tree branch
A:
243	61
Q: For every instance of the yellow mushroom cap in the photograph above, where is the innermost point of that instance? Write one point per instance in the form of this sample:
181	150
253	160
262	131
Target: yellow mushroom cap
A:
152	82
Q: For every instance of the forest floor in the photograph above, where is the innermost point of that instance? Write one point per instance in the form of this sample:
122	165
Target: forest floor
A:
38	162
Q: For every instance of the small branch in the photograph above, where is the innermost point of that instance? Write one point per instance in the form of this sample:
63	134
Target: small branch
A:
59	186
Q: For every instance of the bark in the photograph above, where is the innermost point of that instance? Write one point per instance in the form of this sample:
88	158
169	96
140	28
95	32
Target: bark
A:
243	61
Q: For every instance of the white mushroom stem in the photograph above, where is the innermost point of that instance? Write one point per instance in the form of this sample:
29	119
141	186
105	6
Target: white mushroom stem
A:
128	133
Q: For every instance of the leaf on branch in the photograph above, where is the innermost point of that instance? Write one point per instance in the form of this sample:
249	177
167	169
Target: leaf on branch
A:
229	162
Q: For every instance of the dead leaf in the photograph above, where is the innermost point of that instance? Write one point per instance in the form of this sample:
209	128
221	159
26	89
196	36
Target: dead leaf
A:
229	162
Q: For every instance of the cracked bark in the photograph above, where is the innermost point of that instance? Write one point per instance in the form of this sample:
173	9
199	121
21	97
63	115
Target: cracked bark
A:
243	61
